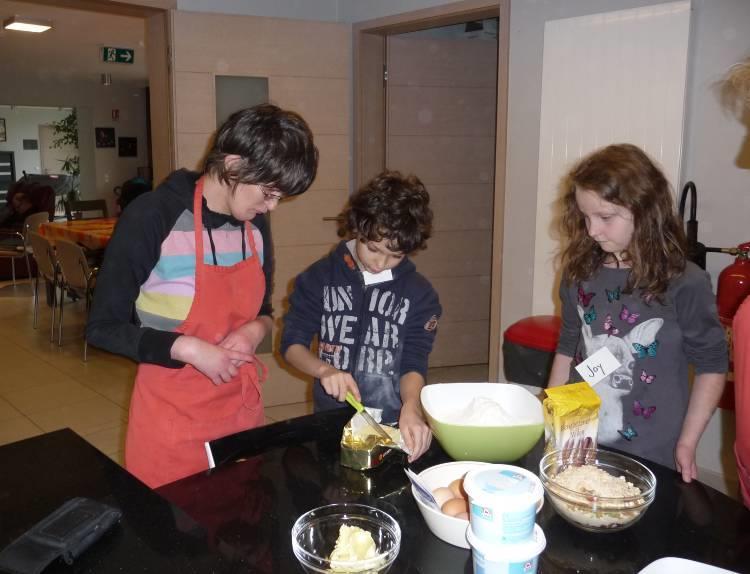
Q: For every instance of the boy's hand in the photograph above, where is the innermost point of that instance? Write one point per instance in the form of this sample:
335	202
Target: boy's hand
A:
337	383
216	362
417	435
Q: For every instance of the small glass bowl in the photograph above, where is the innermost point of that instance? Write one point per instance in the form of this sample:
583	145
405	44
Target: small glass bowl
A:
314	536
590	511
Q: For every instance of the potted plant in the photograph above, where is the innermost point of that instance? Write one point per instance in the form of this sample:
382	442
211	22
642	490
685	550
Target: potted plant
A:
65	133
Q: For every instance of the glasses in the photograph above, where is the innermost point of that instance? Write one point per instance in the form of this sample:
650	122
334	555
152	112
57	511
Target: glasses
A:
269	195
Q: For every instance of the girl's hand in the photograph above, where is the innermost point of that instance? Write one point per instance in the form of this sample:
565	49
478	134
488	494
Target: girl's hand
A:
214	361
684	457
417	435
337	383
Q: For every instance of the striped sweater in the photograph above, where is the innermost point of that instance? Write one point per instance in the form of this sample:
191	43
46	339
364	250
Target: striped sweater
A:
146	285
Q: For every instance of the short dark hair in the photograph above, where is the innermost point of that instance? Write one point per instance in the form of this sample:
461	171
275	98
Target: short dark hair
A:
392	207
275	147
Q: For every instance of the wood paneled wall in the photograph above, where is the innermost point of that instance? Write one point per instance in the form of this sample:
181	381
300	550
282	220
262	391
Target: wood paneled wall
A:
441	102
308	66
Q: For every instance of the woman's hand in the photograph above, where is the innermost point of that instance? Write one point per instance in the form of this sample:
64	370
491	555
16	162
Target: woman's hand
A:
417	435
337	383
216	362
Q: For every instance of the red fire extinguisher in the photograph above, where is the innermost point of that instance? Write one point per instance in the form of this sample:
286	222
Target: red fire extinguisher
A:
732	288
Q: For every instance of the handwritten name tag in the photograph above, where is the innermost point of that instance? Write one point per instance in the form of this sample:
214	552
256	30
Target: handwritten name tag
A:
597	366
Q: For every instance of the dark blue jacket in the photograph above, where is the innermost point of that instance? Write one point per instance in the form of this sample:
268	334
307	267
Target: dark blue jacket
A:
378	333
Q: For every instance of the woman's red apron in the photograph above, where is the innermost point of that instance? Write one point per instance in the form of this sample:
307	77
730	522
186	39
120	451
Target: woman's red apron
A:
173	412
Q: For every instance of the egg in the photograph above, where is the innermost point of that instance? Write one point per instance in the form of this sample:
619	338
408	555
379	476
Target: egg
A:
457	487
455	506
442	495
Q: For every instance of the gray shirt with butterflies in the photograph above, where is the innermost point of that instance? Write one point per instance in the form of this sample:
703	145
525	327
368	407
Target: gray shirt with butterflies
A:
644	401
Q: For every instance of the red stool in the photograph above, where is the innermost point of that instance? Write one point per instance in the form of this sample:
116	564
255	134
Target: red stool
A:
528	349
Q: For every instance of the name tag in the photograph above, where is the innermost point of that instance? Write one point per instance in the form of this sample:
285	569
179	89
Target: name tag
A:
373	278
598	366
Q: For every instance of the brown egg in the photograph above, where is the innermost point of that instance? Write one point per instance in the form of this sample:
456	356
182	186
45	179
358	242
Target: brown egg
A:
455	506
457	487
442	495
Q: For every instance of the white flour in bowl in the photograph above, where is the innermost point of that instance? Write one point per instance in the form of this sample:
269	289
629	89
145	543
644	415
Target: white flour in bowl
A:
483	411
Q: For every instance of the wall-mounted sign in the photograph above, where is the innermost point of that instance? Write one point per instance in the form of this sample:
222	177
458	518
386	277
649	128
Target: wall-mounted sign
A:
118	55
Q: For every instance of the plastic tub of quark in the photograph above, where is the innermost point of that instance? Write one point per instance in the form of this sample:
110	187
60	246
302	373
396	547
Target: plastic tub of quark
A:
523	557
503	502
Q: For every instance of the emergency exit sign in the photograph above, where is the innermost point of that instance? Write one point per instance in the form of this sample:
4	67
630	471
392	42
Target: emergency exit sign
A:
118	55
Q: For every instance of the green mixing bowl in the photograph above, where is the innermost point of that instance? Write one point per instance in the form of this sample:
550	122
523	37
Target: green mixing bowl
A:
448	407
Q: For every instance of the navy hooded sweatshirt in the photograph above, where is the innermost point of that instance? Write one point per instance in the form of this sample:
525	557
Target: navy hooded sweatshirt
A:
378	333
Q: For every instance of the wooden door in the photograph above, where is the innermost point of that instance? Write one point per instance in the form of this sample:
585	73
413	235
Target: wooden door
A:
441	98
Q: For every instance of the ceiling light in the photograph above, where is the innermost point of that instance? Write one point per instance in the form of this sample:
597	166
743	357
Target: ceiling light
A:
26	24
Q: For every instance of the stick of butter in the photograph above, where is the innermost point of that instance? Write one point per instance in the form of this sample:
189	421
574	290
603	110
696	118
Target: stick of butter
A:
353	545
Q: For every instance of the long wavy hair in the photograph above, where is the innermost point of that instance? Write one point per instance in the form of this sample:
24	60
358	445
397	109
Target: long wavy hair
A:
624	175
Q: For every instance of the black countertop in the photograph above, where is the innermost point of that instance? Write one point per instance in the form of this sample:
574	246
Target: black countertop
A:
238	517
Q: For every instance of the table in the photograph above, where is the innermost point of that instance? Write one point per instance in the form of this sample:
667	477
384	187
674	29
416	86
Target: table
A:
238	517
94	234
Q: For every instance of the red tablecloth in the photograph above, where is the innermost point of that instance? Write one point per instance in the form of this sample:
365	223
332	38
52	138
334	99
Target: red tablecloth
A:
91	233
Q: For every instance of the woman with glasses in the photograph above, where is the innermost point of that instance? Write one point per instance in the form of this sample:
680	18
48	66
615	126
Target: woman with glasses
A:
183	291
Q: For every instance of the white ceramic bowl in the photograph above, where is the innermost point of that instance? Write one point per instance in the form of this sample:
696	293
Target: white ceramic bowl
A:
448	528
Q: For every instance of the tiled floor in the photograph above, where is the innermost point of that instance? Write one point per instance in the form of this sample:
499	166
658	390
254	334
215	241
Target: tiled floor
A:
44	387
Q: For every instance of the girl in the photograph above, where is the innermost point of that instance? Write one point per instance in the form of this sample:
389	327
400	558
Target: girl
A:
627	286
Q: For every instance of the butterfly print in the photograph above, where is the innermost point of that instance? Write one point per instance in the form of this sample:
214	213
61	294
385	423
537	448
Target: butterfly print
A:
628	433
613	295
627	316
608	327
584	298
640	411
649	351
590	315
648	379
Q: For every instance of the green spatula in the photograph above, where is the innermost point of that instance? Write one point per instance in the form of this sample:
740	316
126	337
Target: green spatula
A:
368	417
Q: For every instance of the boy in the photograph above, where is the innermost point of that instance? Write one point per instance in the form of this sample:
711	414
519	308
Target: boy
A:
374	315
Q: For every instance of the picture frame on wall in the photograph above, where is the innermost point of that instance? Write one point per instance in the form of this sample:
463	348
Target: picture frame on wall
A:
3	134
127	147
104	137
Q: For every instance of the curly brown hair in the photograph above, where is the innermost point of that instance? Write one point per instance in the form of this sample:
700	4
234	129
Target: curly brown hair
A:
624	175
390	206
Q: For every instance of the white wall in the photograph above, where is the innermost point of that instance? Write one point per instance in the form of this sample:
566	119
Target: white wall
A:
325	10
22	123
101	169
358	10
712	142
714	139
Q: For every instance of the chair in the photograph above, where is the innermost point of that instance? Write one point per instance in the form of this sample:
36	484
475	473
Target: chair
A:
77	277
17	246
79	209
47	268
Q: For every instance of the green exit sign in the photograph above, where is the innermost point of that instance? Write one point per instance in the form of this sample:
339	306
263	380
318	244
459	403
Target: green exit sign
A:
118	55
